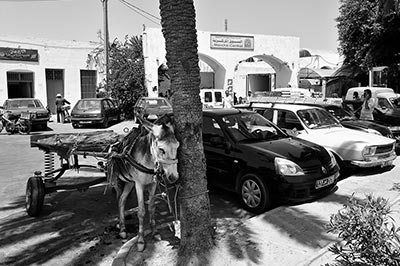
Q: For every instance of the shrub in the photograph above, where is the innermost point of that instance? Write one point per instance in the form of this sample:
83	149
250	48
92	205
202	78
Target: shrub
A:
369	235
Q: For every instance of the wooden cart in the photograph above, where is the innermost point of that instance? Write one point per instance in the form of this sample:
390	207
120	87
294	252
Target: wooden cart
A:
70	148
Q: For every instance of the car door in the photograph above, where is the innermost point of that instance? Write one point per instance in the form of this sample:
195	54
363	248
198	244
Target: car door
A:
221	162
113	110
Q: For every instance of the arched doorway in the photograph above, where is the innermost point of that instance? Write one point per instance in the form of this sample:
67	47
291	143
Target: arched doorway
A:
260	73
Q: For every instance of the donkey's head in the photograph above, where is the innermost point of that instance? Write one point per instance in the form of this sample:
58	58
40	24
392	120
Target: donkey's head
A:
164	148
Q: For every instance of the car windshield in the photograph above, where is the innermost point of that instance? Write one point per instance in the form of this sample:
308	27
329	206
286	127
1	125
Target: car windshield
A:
317	118
88	105
154	103
251	127
339	112
22	104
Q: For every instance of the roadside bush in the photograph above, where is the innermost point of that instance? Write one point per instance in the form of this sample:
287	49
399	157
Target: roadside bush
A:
369	235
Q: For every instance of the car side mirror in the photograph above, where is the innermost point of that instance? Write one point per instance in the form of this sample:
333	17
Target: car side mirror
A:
217	140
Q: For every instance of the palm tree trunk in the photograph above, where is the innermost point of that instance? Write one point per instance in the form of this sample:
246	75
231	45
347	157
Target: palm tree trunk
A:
178	19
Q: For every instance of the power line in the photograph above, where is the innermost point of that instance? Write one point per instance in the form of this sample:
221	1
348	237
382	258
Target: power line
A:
138	10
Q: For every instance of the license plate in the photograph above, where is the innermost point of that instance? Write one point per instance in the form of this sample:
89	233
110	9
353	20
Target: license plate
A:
25	115
324	182
85	122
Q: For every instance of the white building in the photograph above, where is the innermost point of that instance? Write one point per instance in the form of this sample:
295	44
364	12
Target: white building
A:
31	67
238	61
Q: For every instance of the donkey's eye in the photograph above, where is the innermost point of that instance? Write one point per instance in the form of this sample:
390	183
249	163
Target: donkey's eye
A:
161	150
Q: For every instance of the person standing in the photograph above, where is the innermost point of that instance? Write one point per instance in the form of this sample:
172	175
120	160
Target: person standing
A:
228	100
60	101
368	106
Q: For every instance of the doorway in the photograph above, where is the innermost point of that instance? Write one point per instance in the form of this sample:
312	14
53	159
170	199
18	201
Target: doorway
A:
20	84
54	85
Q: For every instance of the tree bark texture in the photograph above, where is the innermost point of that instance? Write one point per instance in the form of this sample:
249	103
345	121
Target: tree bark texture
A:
178	19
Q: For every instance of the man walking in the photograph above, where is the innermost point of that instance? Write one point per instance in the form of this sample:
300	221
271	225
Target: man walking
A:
60	101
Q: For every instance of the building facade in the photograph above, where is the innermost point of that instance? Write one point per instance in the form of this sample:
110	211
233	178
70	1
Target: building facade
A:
238	62
38	68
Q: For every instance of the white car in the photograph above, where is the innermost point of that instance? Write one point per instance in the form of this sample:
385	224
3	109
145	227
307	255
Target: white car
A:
351	147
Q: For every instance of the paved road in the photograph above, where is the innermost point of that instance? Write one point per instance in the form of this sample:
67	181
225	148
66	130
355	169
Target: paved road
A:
77	228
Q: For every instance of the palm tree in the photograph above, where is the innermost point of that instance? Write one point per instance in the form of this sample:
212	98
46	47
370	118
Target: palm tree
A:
178	20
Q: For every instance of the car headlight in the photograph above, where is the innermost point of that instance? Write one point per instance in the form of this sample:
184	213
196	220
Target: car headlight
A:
369	151
373	131
287	168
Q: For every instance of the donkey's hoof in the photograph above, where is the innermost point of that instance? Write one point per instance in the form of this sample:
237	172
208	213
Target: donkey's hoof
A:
157	236
140	246
123	235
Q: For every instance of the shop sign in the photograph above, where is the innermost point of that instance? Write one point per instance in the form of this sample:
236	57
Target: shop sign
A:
18	54
235	42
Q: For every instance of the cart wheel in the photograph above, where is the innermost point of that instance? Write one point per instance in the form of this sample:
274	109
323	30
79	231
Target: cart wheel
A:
34	195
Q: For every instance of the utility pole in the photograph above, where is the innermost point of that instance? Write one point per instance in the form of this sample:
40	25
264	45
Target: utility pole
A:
105	20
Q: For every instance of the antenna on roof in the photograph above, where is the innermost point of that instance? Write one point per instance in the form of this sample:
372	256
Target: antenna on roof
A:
226	24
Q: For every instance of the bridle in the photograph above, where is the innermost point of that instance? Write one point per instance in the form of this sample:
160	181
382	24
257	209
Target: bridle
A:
159	162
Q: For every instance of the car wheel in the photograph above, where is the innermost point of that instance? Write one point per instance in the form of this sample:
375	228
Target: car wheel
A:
34	197
254	194
75	125
44	126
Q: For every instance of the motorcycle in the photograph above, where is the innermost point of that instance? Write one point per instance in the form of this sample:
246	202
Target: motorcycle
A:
67	115
21	125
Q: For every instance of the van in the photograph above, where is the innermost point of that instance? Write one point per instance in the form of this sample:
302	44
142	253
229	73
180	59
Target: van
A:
212	98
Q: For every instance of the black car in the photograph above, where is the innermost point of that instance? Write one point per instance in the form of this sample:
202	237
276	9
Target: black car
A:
389	116
95	111
151	108
40	115
251	156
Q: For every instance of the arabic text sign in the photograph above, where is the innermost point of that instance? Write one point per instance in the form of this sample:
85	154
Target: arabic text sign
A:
18	54
231	42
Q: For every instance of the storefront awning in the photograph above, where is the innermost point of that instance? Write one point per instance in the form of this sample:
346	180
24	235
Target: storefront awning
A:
315	73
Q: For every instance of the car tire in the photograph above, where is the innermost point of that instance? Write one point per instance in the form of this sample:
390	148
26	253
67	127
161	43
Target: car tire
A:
254	194
44	126
75	125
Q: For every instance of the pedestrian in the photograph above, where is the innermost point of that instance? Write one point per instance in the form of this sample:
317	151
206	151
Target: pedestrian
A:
60	101
368	106
356	97
228	100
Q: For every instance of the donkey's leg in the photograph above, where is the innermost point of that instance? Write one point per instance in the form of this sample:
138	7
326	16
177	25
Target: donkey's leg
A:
141	213
152	207
121	207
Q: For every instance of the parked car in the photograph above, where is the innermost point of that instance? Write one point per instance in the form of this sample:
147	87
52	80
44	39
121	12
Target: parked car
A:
95	111
251	156
352	148
16	106
387	110
151	108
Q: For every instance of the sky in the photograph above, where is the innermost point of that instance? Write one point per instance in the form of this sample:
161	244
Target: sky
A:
313	21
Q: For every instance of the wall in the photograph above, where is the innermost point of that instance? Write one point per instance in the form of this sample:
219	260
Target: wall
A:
280	52
53	54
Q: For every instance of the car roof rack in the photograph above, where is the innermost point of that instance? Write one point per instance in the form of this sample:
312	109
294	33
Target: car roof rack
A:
272	98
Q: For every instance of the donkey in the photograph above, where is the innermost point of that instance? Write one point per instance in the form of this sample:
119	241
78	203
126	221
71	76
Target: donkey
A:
148	157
